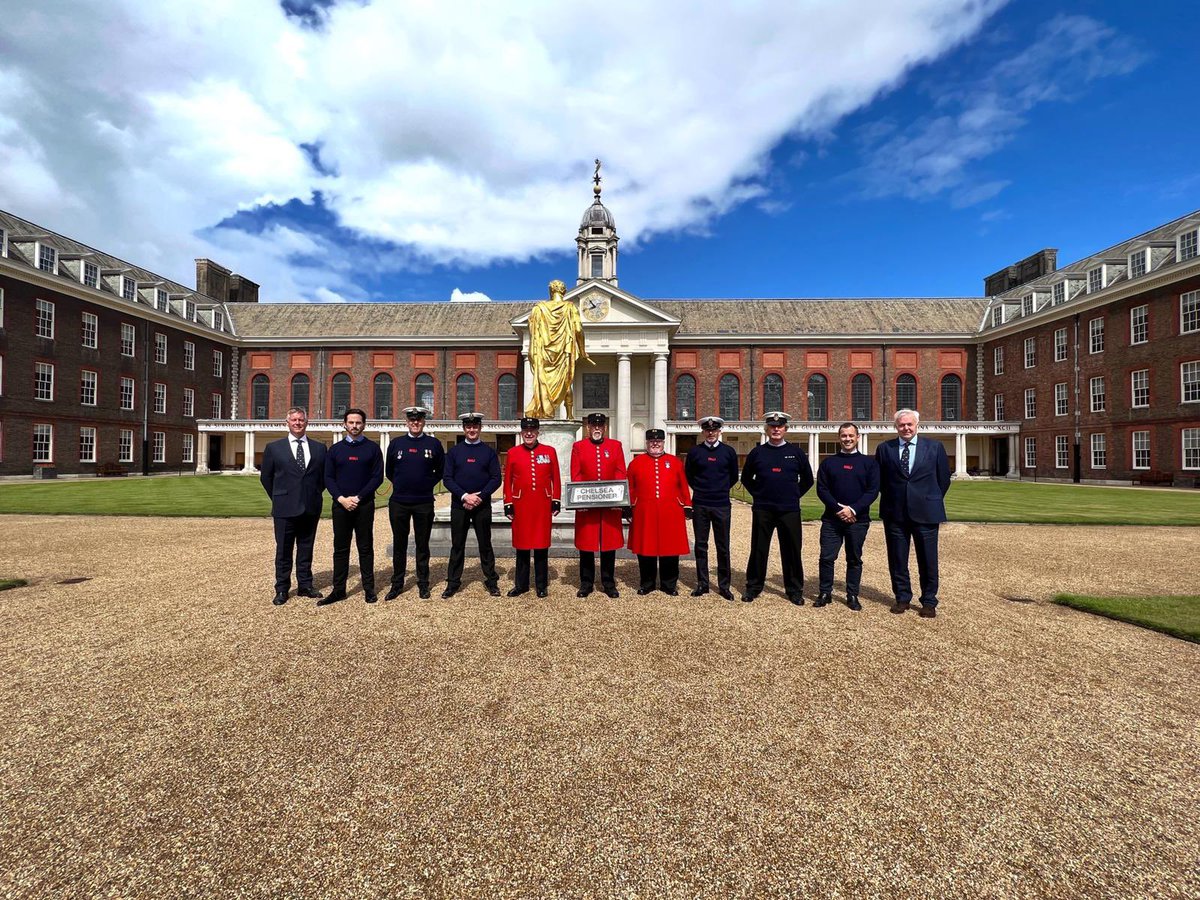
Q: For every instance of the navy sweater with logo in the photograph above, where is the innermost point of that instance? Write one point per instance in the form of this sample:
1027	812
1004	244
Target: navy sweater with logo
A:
711	473
777	477
849	478
471	468
353	470
414	467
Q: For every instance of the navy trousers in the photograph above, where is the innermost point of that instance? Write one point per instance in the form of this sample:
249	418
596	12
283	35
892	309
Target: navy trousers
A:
835	533
294	534
924	537
716	519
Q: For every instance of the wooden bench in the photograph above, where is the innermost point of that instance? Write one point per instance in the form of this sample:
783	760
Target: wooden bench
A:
111	470
1154	477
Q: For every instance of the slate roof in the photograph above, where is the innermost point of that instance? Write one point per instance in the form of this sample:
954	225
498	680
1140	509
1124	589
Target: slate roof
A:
381	320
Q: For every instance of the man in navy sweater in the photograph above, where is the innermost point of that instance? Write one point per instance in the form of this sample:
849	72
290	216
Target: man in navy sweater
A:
777	475
353	472
472	475
413	465
847	484
711	468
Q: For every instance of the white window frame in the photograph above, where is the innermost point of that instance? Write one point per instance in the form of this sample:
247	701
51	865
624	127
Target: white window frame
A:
1030	459
189	356
128	288
44	323
998	407
40	429
218	320
1189	312
158	447
88	385
1062	452
189	403
217	405
1	306
1030	403
125	446
1096	335
128	340
1098	394
1030	352
87	435
1060	346
1186	245
160	348
1142	256
127	398
218	364
1191	367
1139	394
1061	402
189	310
1139	443
1098	444
162	302
998	361
160	398
1096	279
1139	324
189	448
1189	446
89	274
1027	305
1058	293
46	254
89	330
43	382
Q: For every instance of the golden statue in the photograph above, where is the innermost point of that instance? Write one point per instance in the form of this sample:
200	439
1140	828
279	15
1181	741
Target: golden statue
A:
555	342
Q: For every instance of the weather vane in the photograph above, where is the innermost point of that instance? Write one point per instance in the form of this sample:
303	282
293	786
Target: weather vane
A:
596	178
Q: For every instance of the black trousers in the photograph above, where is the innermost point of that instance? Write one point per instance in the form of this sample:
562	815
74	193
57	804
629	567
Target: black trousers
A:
765	523
663	569
294	534
461	521
359	522
716	518
420	517
608	570
541	569
898	535
834	533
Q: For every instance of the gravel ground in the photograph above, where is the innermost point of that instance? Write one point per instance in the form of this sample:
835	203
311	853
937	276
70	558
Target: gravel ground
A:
165	731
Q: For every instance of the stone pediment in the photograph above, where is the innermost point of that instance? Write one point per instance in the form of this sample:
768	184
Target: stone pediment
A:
603	306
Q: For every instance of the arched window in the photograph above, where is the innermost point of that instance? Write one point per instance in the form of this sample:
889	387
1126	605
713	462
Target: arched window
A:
906	392
506	397
685	397
772	393
383	396
951	398
818	398
730	399
260	397
464	395
424	392
340	395
860	398
300	392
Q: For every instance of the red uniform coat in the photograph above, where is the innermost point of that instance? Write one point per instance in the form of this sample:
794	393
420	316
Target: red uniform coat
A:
598	462
531	481
658	491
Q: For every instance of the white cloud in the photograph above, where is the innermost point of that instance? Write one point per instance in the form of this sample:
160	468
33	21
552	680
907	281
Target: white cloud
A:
457	296
462	138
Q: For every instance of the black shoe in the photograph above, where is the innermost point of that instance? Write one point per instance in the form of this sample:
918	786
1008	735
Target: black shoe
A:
822	600
899	607
928	612
796	601
642	592
423	593
727	594
393	593
280	599
449	592
853	603
581	593
493	590
542	592
699	592
371	598
517	592
612	592
671	593
748	598
309	592
334	596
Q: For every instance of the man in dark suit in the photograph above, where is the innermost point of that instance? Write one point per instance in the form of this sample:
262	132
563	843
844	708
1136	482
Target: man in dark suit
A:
914	476
293	475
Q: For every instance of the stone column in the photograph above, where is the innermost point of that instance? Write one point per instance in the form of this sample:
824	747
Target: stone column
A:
248	444
864	442
528	391
1013	471
960	454
202	453
814	447
660	390
624	401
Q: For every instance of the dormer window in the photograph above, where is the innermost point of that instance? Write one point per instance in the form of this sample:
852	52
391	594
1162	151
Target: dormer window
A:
47	259
1138	261
3	242
218	320
1027	305
1095	280
1187	245
998	315
89	274
128	288
1058	293
161	303
189	310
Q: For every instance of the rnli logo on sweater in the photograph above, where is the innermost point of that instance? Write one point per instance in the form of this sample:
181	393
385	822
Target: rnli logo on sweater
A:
848	468
777	470
470	459
353	458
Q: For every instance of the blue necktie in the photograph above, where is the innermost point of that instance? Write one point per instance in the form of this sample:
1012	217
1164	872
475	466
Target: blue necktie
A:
904	457
300	454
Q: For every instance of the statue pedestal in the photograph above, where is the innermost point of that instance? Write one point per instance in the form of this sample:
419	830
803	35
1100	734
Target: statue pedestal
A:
561	434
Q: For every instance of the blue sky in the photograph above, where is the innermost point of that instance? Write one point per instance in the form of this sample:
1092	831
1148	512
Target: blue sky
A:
394	151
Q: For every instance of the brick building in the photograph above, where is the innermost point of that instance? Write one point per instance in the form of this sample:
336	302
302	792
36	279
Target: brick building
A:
1124	394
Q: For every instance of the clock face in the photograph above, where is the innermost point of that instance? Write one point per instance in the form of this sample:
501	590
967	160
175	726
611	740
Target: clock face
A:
595	306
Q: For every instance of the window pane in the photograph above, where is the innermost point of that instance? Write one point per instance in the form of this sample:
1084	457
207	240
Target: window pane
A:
906	392
300	391
464	395
424	395
507	397
383	396
685	397
772	393
595	390
860	398
261	399
341	395
818	394
731	398
951	398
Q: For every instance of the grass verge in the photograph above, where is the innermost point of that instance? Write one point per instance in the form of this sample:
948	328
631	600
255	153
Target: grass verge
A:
6	583
1176	616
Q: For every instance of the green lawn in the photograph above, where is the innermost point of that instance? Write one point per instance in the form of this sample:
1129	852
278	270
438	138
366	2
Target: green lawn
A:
976	501
6	583
1176	616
